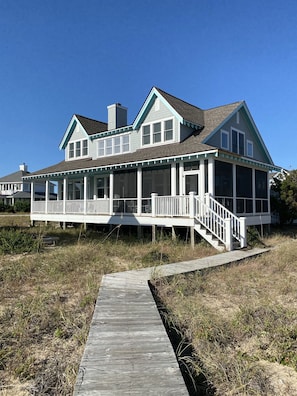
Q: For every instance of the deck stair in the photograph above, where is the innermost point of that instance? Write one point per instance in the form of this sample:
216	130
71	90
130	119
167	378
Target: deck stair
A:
218	225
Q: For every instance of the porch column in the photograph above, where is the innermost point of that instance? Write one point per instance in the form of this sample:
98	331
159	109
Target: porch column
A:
46	196
201	188
173	179
139	190
65	193
32	196
181	179
234	188
211	176
254	189
111	189
85	193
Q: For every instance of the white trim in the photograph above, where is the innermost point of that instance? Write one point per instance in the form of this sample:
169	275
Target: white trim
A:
74	142
239	132
112	146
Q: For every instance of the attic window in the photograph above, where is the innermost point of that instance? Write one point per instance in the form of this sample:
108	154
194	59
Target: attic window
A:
114	145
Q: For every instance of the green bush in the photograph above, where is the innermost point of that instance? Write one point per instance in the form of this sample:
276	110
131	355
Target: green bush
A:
17	241
22	206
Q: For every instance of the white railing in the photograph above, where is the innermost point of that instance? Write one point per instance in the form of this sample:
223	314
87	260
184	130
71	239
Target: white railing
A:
74	206
55	207
220	221
172	206
100	206
38	207
125	205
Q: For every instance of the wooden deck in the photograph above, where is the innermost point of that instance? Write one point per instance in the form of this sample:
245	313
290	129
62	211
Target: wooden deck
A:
128	351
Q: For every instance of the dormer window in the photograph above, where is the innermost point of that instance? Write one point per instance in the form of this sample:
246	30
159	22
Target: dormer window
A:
158	132
78	149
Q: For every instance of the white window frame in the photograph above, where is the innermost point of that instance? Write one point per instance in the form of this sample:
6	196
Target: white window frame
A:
76	148
249	148
106	147
225	133
152	133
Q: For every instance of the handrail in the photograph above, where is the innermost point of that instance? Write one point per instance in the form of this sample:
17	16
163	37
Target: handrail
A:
214	217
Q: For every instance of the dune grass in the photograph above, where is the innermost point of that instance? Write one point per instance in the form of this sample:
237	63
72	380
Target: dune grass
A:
240	321
47	297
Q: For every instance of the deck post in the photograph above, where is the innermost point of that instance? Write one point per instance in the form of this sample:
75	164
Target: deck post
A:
111	189
46	196
243	236
153	233
139	190
85	193
173	233
65	193
192	236
32	196
192	205
228	241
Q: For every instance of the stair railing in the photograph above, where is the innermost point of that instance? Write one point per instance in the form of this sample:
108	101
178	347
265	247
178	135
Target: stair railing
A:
222	223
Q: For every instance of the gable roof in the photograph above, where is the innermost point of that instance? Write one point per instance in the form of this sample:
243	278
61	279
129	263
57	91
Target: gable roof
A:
185	112
190	113
90	125
14	177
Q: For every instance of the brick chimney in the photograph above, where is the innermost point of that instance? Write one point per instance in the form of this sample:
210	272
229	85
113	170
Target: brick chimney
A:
117	116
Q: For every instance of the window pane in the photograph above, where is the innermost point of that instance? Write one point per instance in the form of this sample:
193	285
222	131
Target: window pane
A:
225	141
117	145
157	132
168	130
234	141
77	150
126	143
85	147
108	146
71	150
193	165
146	139
101	148
240	144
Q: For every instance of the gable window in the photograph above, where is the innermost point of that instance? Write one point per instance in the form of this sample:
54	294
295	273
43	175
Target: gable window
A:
225	140
78	149
249	148
114	145
158	132
237	142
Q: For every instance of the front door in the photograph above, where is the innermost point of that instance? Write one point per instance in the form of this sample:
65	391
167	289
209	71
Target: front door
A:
191	183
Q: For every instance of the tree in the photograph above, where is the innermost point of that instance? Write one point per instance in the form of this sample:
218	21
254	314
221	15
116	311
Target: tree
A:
284	197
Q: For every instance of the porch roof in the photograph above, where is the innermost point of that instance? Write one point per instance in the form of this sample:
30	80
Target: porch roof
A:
191	147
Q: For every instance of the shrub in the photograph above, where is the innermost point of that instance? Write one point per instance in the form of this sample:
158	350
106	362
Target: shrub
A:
22	206
16	241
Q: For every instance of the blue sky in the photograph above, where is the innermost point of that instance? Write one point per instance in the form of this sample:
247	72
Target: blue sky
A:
60	57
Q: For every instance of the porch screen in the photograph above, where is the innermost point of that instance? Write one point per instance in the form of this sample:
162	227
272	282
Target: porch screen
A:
244	190
125	184
261	191
223	179
156	180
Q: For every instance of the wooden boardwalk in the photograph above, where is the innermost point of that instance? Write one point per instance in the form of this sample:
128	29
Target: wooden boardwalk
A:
128	351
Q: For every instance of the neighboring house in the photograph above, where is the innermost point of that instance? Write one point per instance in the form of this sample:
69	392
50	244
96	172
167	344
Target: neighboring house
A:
13	188
176	165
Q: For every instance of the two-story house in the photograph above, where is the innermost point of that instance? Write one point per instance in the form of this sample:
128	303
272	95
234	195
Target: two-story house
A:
13	188
176	165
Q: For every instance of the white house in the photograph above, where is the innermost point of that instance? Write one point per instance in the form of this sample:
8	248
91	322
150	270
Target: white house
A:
176	165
